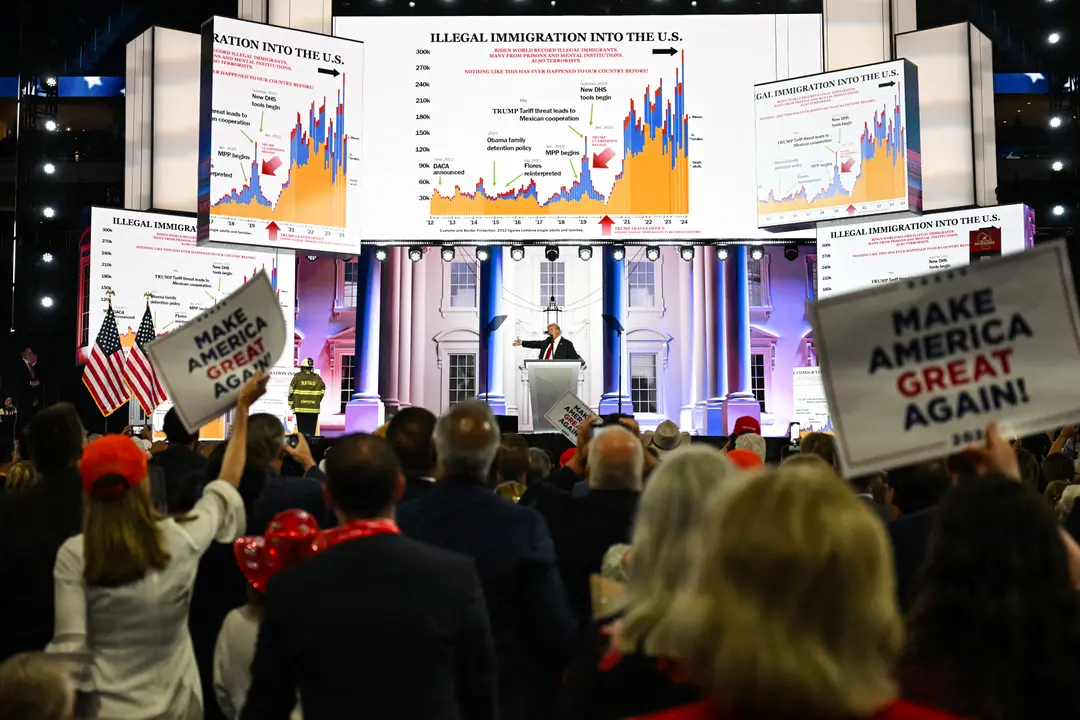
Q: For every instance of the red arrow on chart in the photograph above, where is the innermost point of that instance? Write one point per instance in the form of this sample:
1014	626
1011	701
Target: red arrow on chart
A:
850	209
273	228
606	222
601	160
269	166
846	167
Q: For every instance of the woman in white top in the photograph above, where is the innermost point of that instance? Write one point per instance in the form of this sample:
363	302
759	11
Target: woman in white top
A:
123	587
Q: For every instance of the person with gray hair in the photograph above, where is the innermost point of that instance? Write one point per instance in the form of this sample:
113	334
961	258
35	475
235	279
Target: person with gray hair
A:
585	526
267	450
531	619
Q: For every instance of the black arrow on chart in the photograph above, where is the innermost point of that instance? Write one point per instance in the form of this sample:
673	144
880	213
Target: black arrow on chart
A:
888	84
664	51
329	71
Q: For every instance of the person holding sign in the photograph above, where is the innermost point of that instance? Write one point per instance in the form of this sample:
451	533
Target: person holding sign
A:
554	347
123	587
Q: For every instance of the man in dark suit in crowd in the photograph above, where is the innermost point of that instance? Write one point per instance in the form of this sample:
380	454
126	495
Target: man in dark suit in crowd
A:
531	619
27	386
182	467
377	625
267	450
410	435
554	347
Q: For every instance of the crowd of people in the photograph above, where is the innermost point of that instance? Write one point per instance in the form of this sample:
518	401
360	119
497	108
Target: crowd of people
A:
438	569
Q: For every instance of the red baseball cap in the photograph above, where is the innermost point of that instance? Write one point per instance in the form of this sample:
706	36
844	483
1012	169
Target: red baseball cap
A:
746	459
746	424
291	536
110	457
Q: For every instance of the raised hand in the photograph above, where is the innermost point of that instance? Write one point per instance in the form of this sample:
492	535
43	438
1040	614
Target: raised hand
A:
517	341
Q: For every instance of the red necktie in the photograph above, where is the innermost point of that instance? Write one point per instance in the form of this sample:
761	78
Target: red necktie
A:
550	349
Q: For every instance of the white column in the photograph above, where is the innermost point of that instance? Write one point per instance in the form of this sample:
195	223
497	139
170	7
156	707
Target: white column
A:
253	10
686	339
861	32
420	349
391	336
700	367
315	16
405	339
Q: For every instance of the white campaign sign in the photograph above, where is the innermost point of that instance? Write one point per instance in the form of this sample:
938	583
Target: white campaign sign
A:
204	363
916	370
279	138
568	414
856	256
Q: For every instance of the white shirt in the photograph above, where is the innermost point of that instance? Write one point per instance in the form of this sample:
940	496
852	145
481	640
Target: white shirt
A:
233	655
132	641
554	346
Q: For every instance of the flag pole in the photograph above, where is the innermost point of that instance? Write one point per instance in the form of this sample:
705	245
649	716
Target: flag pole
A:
109	296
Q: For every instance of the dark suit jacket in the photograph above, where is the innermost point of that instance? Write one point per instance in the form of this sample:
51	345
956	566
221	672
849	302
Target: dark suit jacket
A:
583	529
22	392
416	487
565	350
33	526
531	620
910	537
383	628
285	492
183	468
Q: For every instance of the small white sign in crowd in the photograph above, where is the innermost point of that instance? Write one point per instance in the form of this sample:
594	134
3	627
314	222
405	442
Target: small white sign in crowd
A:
568	414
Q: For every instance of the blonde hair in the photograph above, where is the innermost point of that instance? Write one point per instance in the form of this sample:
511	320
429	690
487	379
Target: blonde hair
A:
121	538
668	527
792	612
20	477
809	463
820	444
34	685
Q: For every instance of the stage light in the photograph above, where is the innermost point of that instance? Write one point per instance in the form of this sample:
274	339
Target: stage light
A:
1055	122
48	168
517	253
551	252
1058	210
1057	166
312	258
791	252
46	302
721	253
482	254
416	254
50	81
618	252
447	254
51	125
48	212
412	4
652	253
585	252
380	254
46	257
1053	38
687	252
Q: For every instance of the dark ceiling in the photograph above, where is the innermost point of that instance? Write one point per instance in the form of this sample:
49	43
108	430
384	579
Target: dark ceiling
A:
55	30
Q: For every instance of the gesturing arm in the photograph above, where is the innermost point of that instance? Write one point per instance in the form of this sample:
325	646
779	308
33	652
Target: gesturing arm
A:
534	344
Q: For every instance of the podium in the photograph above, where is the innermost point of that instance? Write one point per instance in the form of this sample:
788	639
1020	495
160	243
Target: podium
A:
549	380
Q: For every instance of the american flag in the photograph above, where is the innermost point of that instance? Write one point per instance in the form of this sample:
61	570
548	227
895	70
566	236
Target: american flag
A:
139	372
104	373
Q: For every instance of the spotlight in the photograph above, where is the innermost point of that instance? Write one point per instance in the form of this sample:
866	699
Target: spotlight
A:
1057	166
416	254
585	252
48	212
756	253
721	253
46	257
51	125
791	252
1053	38
551	252
1058	210
380	254
48	168
1055	122
46	302
687	252
482	254
652	253
447	254
618	252
50	81
517	253
312	258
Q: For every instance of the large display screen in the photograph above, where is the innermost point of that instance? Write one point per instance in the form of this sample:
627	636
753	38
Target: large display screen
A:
151	257
279	138
568	128
838	145
854	257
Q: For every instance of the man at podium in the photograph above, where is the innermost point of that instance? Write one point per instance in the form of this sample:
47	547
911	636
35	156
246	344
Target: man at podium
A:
554	347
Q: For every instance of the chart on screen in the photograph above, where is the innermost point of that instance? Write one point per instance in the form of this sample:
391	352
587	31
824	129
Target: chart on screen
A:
567	128
280	138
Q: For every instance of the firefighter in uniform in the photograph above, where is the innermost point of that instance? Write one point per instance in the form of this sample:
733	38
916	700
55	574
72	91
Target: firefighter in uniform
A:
305	397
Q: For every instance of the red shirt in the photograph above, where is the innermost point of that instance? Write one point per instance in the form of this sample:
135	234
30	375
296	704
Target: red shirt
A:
897	710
